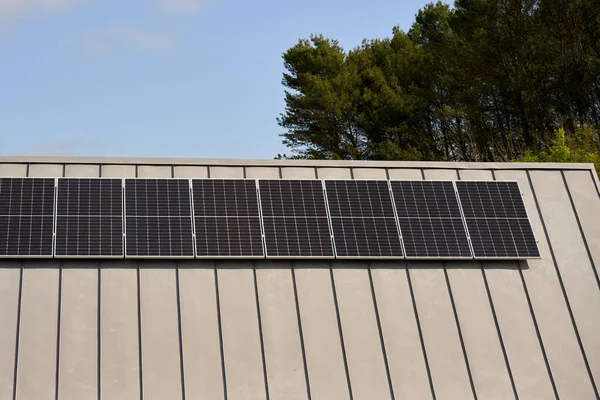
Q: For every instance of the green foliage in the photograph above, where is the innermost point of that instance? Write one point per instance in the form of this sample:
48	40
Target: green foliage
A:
581	147
484	80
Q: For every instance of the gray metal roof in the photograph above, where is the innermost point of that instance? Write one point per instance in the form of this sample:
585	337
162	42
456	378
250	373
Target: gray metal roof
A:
313	329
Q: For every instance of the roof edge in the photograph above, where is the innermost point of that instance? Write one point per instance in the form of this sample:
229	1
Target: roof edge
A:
290	163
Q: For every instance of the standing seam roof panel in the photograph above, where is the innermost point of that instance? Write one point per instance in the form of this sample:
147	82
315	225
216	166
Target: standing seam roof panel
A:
337	334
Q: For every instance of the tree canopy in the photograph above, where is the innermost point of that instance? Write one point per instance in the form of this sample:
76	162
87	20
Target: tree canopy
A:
484	80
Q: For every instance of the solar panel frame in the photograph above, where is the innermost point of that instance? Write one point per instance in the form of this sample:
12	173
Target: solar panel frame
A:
193	218
327	216
262	222
389	181
527	218
464	220
132	256
46	216
393	217
259	216
329	222
125	222
56	215
436	257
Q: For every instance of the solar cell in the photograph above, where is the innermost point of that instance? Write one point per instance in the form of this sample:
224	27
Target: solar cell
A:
227	218
89	218
430	219
295	219
158	218
497	219
26	217
362	219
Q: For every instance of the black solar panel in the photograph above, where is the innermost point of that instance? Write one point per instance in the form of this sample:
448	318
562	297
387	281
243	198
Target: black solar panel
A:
227	218
158	218
89	217
430	219
295	218
497	220
362	219
26	216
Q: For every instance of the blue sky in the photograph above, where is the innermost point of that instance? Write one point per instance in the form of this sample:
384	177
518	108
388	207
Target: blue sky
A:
162	78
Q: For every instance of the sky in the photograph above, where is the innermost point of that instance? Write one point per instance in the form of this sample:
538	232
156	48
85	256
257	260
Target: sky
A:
162	78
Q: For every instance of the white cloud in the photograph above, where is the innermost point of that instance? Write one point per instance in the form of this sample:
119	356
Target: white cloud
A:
114	38
16	8
184	6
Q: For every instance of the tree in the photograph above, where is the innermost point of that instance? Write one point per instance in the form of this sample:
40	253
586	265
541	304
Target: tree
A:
485	80
579	148
320	107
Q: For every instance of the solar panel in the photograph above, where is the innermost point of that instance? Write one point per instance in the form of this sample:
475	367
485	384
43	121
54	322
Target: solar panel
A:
89	218
497	219
430	219
362	219
227	218
158	218
295	219
26	217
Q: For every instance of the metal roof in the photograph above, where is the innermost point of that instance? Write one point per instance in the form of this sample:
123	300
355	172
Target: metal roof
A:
312	329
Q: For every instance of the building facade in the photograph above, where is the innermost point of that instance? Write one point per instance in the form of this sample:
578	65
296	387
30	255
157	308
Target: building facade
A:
312	329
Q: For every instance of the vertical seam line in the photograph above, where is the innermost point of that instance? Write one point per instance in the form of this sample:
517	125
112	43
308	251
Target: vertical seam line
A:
494	316
339	323
460	335
139	315
99	333
414	304
585	242
379	329
57	374
180	333
300	331
221	347
17	340
534	320
537	331
139	308
562	287
414	300
594	181
260	332
506	362
99	318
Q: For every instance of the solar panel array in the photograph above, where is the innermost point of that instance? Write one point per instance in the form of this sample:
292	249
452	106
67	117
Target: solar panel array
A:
89	217
430	219
243	218
497	220
362	219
